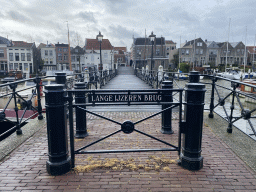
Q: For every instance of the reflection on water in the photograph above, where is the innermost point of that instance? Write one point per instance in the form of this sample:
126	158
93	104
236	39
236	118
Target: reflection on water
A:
242	124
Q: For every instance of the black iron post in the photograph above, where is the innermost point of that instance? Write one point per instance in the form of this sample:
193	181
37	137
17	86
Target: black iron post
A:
81	130
167	115
59	161
214	79
39	107
194	108
232	107
61	78
13	86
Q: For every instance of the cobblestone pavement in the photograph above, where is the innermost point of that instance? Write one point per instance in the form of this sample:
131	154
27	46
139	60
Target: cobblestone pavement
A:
25	168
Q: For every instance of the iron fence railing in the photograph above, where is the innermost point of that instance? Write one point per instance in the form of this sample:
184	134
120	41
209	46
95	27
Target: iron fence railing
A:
224	97
24	99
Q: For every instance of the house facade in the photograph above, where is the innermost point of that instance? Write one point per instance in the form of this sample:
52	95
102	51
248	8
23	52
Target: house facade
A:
142	53
48	55
62	56
251	54
199	53
92	49
120	58
77	58
4	44
20	56
171	49
194	52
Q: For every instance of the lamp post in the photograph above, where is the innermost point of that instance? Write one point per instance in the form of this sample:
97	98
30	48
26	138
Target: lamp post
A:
152	39
99	38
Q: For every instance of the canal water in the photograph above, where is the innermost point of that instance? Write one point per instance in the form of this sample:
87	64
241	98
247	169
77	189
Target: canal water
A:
242	124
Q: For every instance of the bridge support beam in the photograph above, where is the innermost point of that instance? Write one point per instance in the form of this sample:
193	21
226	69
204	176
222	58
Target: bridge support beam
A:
167	115
81	129
59	161
194	108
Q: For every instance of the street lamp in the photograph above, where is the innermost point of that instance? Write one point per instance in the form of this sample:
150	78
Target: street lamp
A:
99	38
152	39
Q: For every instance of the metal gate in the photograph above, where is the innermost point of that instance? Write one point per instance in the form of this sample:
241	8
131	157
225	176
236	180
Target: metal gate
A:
57	99
84	98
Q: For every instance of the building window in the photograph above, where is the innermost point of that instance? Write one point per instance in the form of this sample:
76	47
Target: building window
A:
22	56
197	51
199	44
65	57
157	52
60	49
20	66
183	51
11	56
17	56
28	56
15	66
25	67
11	66
65	49
50	52
46	52
187	51
73	58
1	52
59	56
201	51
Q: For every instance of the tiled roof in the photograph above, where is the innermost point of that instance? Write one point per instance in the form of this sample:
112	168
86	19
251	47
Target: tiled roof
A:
234	44
22	44
77	50
61	45
146	41
94	44
5	41
251	49
120	48
169	42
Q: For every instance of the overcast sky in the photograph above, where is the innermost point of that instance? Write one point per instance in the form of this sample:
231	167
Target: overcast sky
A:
119	20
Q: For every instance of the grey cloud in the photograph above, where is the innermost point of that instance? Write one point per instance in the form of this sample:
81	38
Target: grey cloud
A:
15	15
121	32
87	16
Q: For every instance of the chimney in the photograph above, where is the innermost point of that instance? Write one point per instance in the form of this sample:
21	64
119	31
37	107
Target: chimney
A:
205	40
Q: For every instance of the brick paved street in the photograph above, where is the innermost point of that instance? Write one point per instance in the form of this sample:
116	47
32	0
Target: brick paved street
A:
25	168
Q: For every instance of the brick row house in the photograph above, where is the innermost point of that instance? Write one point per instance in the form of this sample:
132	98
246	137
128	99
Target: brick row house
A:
251	55
120	57
141	52
199	52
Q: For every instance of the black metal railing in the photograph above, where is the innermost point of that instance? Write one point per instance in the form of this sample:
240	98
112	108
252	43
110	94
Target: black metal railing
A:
21	103
224	97
191	124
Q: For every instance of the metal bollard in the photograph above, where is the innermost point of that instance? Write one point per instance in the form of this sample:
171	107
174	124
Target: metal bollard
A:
61	78
192	141
81	130
59	161
167	115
